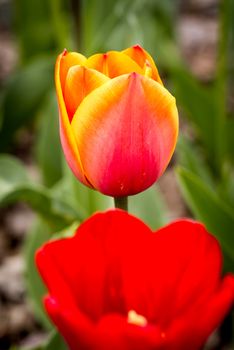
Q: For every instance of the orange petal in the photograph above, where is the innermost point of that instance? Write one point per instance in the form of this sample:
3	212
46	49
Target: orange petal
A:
143	59
126	131
68	60
113	64
163	106
66	134
80	81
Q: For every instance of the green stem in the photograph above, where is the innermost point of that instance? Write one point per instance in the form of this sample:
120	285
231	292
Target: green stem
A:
121	203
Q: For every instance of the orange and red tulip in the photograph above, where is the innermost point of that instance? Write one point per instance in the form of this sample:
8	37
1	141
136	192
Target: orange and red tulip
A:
118	123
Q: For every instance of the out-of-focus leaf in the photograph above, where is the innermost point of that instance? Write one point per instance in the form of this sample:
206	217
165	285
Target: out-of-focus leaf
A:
223	76
34	27
191	158
230	138
199	103
56	212
125	34
86	201
149	207
41	28
38	234
99	18
55	342
48	148
24	94
12	173
210	209
127	23
15	186
69	231
153	33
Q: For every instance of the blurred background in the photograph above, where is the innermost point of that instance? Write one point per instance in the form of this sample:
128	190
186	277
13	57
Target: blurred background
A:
192	42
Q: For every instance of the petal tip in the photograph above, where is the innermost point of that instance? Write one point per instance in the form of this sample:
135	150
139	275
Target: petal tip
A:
134	76
137	47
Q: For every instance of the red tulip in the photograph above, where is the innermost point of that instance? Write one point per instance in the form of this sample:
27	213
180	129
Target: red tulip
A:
118	285
118	124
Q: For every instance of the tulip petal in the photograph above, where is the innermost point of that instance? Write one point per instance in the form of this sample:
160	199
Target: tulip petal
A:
73	325
141	56
192	328
195	273
126	132
188	277
113	332
113	64
67	60
55	282
218	306
63	63
65	268
115	264
80	81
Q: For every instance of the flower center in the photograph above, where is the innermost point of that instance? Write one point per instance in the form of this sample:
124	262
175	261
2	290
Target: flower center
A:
135	318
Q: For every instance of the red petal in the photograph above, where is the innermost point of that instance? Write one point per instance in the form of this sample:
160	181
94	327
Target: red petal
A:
116	264
73	325
185	262
74	268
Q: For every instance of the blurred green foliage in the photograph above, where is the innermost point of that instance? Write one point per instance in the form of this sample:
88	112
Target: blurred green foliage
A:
206	178
205	172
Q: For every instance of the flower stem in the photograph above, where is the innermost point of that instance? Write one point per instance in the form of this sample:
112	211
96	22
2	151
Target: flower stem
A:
121	203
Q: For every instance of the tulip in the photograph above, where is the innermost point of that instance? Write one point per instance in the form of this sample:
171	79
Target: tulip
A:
117	285
118	124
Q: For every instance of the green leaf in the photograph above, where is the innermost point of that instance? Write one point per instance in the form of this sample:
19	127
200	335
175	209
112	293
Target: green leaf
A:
55	342
39	233
199	104
42	27
15	186
191	157
230	139
149	207
23	96
55	212
223	78
85	200
33	25
12	173
67	232
210	209
48	148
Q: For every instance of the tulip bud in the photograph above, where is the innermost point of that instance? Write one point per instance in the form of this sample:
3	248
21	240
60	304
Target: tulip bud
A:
118	123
